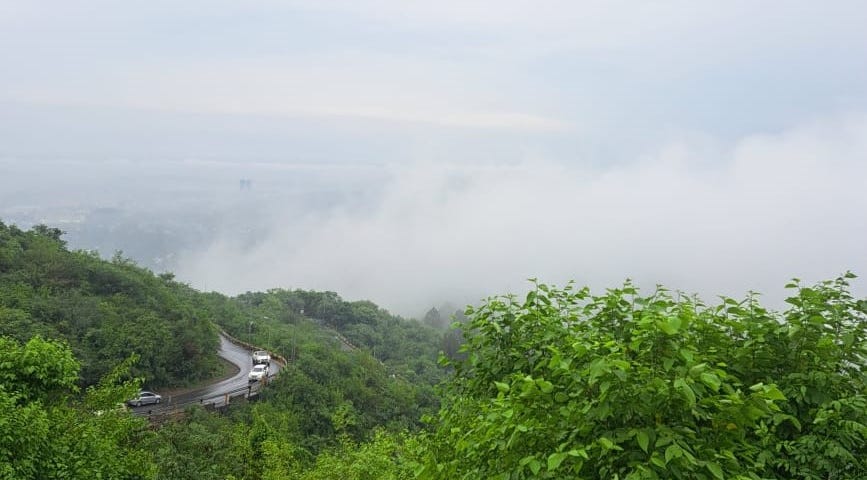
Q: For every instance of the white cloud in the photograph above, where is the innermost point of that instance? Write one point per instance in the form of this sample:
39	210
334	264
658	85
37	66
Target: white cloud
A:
779	205
512	64
438	77
346	84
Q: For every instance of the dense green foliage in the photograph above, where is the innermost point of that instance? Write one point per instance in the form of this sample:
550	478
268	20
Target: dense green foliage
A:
48	430
408	347
334	395
334	408
385	374
565	384
559	384
255	441
105	310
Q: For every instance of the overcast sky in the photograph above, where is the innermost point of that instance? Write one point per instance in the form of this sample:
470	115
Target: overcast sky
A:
715	146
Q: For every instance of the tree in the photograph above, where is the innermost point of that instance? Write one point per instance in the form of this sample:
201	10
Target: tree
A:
432	318
48	430
565	384
386	456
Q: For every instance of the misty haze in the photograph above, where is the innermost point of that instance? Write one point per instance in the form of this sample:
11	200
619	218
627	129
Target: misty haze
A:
355	239
706	217
397	174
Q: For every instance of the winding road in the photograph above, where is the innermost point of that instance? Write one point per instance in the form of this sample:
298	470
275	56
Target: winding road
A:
215	393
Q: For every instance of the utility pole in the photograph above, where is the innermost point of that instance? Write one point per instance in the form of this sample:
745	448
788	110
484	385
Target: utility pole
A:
267	332
295	335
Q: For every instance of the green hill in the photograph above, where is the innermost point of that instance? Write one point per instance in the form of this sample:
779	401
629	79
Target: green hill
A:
105	310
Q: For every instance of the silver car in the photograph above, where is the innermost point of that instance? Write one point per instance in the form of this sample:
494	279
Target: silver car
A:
145	398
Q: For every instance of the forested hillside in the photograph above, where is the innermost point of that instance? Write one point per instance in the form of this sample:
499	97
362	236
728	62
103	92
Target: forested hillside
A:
562	383
105	310
339	388
356	373
405	346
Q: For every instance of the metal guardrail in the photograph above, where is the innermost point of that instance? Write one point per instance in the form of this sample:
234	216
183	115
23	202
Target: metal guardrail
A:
274	356
170	409
165	410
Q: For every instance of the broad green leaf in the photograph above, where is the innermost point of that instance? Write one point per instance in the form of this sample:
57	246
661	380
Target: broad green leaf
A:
669	326
681	385
608	444
535	466
643	440
673	451
686	354
544	385
774	393
715	469
697	369
578	453
711	380
555	459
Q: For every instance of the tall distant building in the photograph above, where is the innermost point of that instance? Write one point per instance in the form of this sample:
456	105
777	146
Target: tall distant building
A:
246	184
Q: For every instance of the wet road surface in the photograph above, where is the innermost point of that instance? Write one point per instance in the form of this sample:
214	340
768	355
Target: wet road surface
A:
214	393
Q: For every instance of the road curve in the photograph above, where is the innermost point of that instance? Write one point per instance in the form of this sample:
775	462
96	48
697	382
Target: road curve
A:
213	393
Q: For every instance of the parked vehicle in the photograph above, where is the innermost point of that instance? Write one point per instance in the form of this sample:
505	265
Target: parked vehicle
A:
258	373
261	356
145	398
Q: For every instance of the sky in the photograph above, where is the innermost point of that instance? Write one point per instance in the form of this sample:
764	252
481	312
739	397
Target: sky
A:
716	147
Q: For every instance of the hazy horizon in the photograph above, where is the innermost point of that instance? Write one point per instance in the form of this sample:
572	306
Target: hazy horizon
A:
413	153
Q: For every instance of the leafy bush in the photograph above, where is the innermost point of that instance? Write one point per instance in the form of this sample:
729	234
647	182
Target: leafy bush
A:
565	384
49	430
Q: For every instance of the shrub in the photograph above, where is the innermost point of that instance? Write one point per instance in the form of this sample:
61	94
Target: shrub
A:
565	384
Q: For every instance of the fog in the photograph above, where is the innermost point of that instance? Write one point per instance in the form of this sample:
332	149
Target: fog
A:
700	215
768	208
414	153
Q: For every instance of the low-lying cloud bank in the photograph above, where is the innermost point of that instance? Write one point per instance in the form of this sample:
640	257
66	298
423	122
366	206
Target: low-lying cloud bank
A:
711	220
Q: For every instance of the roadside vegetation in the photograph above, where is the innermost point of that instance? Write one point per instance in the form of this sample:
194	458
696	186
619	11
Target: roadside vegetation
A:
561	383
50	428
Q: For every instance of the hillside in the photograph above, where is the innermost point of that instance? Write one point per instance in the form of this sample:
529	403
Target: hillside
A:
105	310
560	384
354	368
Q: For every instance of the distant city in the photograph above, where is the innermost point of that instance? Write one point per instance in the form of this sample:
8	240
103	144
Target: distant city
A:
167	209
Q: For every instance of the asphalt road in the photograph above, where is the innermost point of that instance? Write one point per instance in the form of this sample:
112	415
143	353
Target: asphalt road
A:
214	393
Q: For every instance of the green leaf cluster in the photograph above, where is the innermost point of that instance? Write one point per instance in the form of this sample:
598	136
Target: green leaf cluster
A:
566	384
50	430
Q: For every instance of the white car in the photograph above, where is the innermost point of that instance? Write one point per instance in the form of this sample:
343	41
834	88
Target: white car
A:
258	373
261	356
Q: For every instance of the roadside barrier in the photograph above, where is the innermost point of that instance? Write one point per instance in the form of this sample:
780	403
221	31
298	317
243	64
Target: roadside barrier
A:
163	411
169	409
274	356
